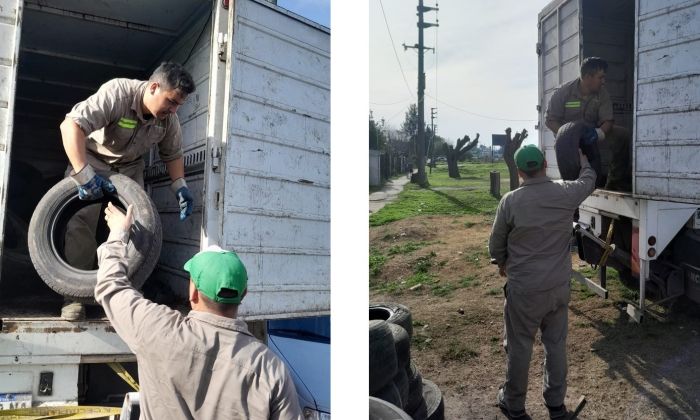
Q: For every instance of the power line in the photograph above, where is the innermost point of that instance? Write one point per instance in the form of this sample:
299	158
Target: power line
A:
394	48
478	115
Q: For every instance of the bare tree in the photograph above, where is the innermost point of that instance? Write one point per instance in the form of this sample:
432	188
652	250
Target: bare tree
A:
456	153
513	144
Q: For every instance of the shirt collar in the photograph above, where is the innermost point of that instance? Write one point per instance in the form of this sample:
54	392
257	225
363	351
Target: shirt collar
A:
538	180
237	325
137	103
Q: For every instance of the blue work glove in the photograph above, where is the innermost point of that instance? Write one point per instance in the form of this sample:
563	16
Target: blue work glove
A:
590	136
184	197
91	186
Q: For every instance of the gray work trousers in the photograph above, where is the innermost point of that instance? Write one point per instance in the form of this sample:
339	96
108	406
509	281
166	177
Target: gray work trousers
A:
81	245
523	315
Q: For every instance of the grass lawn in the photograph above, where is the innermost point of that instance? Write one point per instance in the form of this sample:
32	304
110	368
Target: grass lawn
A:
467	195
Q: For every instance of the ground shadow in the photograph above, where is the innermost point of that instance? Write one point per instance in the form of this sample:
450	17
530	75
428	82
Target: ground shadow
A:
657	358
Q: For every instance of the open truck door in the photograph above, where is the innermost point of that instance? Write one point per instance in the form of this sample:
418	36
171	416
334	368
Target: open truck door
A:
10	26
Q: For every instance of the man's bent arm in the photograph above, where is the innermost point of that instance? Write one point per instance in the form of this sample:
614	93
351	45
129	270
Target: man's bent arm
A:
176	168
583	186
553	125
74	143
134	317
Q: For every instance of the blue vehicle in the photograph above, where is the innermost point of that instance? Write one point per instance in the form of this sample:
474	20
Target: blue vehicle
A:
304	344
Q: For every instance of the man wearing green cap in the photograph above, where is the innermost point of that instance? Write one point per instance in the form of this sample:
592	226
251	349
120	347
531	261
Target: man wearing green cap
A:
530	243
205	365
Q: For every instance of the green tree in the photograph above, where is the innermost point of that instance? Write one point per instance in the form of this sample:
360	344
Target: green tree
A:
377	138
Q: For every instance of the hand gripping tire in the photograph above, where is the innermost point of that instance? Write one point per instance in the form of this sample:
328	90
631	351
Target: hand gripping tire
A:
48	226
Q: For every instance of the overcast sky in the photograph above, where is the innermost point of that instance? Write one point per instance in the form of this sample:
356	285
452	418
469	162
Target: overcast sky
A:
485	63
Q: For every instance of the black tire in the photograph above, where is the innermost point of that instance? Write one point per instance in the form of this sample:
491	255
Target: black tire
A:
566	148
415	388
48	225
389	393
435	405
402	344
394	313
382	410
401	382
382	356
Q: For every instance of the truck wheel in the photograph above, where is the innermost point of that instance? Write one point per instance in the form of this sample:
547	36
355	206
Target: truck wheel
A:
394	313
48	227
382	356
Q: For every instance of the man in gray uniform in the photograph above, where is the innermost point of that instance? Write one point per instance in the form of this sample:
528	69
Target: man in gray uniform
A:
586	99
530	243
205	365
109	132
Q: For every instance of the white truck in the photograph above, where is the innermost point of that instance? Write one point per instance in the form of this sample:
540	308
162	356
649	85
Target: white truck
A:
257	158
652	48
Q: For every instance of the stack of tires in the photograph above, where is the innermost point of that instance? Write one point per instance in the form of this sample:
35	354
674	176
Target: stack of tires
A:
393	377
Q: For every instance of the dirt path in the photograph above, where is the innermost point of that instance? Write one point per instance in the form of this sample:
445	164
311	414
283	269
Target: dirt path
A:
626	370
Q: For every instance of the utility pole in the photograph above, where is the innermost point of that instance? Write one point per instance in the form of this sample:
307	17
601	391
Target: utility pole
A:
420	146
431	148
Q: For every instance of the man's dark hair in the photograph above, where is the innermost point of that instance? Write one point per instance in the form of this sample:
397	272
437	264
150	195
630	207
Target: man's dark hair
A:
173	76
532	173
218	306
592	65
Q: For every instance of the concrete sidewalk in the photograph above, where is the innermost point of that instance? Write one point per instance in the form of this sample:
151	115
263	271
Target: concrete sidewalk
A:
391	189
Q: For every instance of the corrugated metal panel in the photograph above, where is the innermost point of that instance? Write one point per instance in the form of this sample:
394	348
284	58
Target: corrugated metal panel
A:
181	238
559	49
277	153
10	18
667	107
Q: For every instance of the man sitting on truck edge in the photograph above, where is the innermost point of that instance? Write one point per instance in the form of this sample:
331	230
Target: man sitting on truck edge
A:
530	243
586	99
205	365
109	132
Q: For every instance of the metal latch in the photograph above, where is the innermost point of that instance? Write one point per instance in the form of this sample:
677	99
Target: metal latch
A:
215	158
221	41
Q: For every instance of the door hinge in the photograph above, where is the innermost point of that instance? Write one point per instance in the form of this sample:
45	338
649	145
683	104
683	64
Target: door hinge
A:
538	48
215	158
222	41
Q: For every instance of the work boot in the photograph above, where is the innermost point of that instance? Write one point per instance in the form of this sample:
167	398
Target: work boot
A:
511	415
72	310
558	413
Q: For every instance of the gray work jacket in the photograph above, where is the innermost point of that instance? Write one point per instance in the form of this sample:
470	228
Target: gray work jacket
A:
532	231
199	366
117	131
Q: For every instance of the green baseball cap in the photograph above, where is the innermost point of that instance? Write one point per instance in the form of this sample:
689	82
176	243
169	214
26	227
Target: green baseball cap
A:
529	158
218	274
